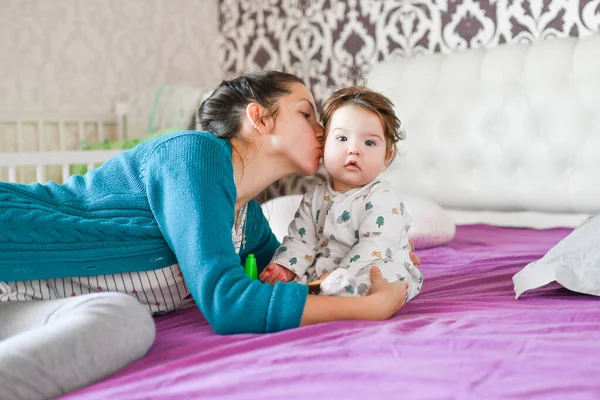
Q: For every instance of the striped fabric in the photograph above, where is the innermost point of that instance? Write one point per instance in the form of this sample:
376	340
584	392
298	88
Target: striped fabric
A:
162	290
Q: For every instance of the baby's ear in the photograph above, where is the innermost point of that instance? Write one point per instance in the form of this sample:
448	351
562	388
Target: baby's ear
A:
321	139
388	158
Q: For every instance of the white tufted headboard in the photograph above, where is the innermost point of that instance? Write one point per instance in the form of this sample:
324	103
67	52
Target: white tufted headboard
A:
514	128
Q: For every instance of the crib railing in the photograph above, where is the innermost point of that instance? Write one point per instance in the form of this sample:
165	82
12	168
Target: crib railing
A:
64	159
79	126
40	146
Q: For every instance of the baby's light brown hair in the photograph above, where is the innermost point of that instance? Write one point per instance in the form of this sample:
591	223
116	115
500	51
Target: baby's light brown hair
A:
361	96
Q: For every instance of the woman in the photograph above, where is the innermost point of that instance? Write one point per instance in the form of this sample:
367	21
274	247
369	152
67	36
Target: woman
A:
184	197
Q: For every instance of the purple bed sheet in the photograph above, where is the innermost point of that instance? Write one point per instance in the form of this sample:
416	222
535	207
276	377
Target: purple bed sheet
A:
464	336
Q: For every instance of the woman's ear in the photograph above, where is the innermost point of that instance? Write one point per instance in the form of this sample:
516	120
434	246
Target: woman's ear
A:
269	124
254	113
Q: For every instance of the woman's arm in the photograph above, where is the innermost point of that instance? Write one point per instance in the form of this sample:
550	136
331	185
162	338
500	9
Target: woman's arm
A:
190	189
384	300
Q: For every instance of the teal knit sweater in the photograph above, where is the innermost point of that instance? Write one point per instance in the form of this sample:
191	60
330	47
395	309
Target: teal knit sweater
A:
168	200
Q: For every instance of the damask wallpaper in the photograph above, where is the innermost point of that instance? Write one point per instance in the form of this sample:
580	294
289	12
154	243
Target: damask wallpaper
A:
81	56
333	43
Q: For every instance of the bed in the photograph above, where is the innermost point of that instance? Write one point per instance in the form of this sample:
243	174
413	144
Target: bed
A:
506	141
464	336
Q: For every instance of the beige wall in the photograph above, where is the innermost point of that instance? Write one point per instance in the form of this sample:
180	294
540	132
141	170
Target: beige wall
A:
81	56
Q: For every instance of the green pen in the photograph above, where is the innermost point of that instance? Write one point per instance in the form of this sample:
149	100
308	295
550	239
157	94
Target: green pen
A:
250	267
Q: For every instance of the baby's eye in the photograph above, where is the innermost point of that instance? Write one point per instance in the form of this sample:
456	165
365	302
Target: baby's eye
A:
370	143
307	116
342	138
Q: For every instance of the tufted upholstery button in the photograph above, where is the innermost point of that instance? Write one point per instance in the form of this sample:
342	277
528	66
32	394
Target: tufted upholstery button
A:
513	165
563	167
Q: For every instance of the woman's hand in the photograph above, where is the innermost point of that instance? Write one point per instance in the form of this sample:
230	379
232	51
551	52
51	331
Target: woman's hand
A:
386	298
413	257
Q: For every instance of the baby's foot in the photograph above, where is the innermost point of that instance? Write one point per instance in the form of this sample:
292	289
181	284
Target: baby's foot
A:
275	272
314	287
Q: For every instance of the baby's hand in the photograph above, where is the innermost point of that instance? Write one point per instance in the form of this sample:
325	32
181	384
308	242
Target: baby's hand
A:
413	257
275	272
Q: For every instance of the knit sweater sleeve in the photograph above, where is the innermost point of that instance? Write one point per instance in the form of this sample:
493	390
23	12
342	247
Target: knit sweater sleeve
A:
260	239
189	184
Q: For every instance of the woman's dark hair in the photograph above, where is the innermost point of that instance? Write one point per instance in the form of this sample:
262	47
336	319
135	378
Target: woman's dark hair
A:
221	113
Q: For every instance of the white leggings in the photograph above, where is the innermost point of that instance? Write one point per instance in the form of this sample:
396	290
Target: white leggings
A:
52	347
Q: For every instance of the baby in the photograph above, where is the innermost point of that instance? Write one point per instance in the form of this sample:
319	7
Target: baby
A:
353	221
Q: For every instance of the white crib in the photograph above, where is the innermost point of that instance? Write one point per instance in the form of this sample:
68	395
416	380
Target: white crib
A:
40	146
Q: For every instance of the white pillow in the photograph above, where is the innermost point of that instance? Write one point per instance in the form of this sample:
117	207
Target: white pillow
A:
574	263
431	225
280	211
